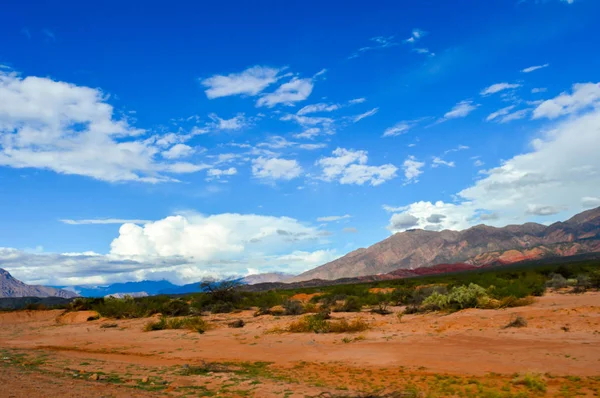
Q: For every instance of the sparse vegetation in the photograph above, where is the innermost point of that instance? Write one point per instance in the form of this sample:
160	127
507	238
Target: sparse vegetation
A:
316	324
195	324
517	322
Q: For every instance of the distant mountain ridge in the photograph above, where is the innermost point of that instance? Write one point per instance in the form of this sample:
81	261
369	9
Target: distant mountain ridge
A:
11	287
153	288
477	246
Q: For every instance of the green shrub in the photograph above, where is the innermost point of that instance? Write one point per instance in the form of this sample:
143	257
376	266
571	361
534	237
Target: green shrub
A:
292	307
557	281
435	302
352	304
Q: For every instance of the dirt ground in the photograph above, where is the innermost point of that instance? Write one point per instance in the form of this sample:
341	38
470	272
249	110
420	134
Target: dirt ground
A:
466	353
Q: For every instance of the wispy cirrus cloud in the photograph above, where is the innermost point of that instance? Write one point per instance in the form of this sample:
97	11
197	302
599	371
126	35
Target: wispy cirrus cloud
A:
534	68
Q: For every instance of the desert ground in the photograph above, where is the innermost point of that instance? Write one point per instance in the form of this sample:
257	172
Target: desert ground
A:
466	353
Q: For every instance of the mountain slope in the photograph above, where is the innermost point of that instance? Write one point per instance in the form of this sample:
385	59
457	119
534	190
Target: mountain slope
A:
479	245
11	287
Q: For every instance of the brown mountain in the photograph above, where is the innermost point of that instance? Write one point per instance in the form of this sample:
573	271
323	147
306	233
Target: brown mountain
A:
267	277
11	287
480	245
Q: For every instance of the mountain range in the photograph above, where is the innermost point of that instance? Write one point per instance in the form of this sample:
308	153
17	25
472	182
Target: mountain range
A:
478	246
11	287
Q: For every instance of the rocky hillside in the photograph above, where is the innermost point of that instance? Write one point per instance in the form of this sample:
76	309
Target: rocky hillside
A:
480	245
11	287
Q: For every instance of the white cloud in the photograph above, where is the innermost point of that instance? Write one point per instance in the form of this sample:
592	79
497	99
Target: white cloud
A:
218	173
441	162
235	123
320	107
349	166
412	169
103	221
357	101
402	221
308	133
415	36
71	129
541	210
275	168
590	202
555	179
249	82
288	93
311	147
517	115
462	109
495	88
535	67
178	151
538	90
183	249
349	230
333	218
360	117
398	129
499	112
478	163
584	95
276	142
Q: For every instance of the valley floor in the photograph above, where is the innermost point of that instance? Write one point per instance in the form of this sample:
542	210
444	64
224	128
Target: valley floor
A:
467	353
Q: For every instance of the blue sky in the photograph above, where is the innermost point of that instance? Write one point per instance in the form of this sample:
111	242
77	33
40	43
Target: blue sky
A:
152	141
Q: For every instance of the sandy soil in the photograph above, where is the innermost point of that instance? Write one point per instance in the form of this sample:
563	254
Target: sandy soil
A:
467	352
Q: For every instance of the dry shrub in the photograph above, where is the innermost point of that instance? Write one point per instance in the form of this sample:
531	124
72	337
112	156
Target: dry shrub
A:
316	324
505	302
517	322
194	323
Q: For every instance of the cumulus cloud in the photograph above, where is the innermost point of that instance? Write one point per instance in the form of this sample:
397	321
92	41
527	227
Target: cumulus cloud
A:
183	249
250	82
584	95
293	91
412	169
275	168
235	123
349	166
178	151
495	88
218	173
402	221
70	129
557	178
541	210
437	161
534	68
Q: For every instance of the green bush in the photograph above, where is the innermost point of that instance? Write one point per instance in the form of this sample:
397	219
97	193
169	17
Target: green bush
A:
352	304
292	307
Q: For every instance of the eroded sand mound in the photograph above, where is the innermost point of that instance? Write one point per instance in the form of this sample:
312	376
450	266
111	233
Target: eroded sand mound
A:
19	317
69	318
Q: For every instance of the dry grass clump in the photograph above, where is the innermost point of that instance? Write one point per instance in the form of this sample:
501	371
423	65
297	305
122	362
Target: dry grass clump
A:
316	324
194	323
517	322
